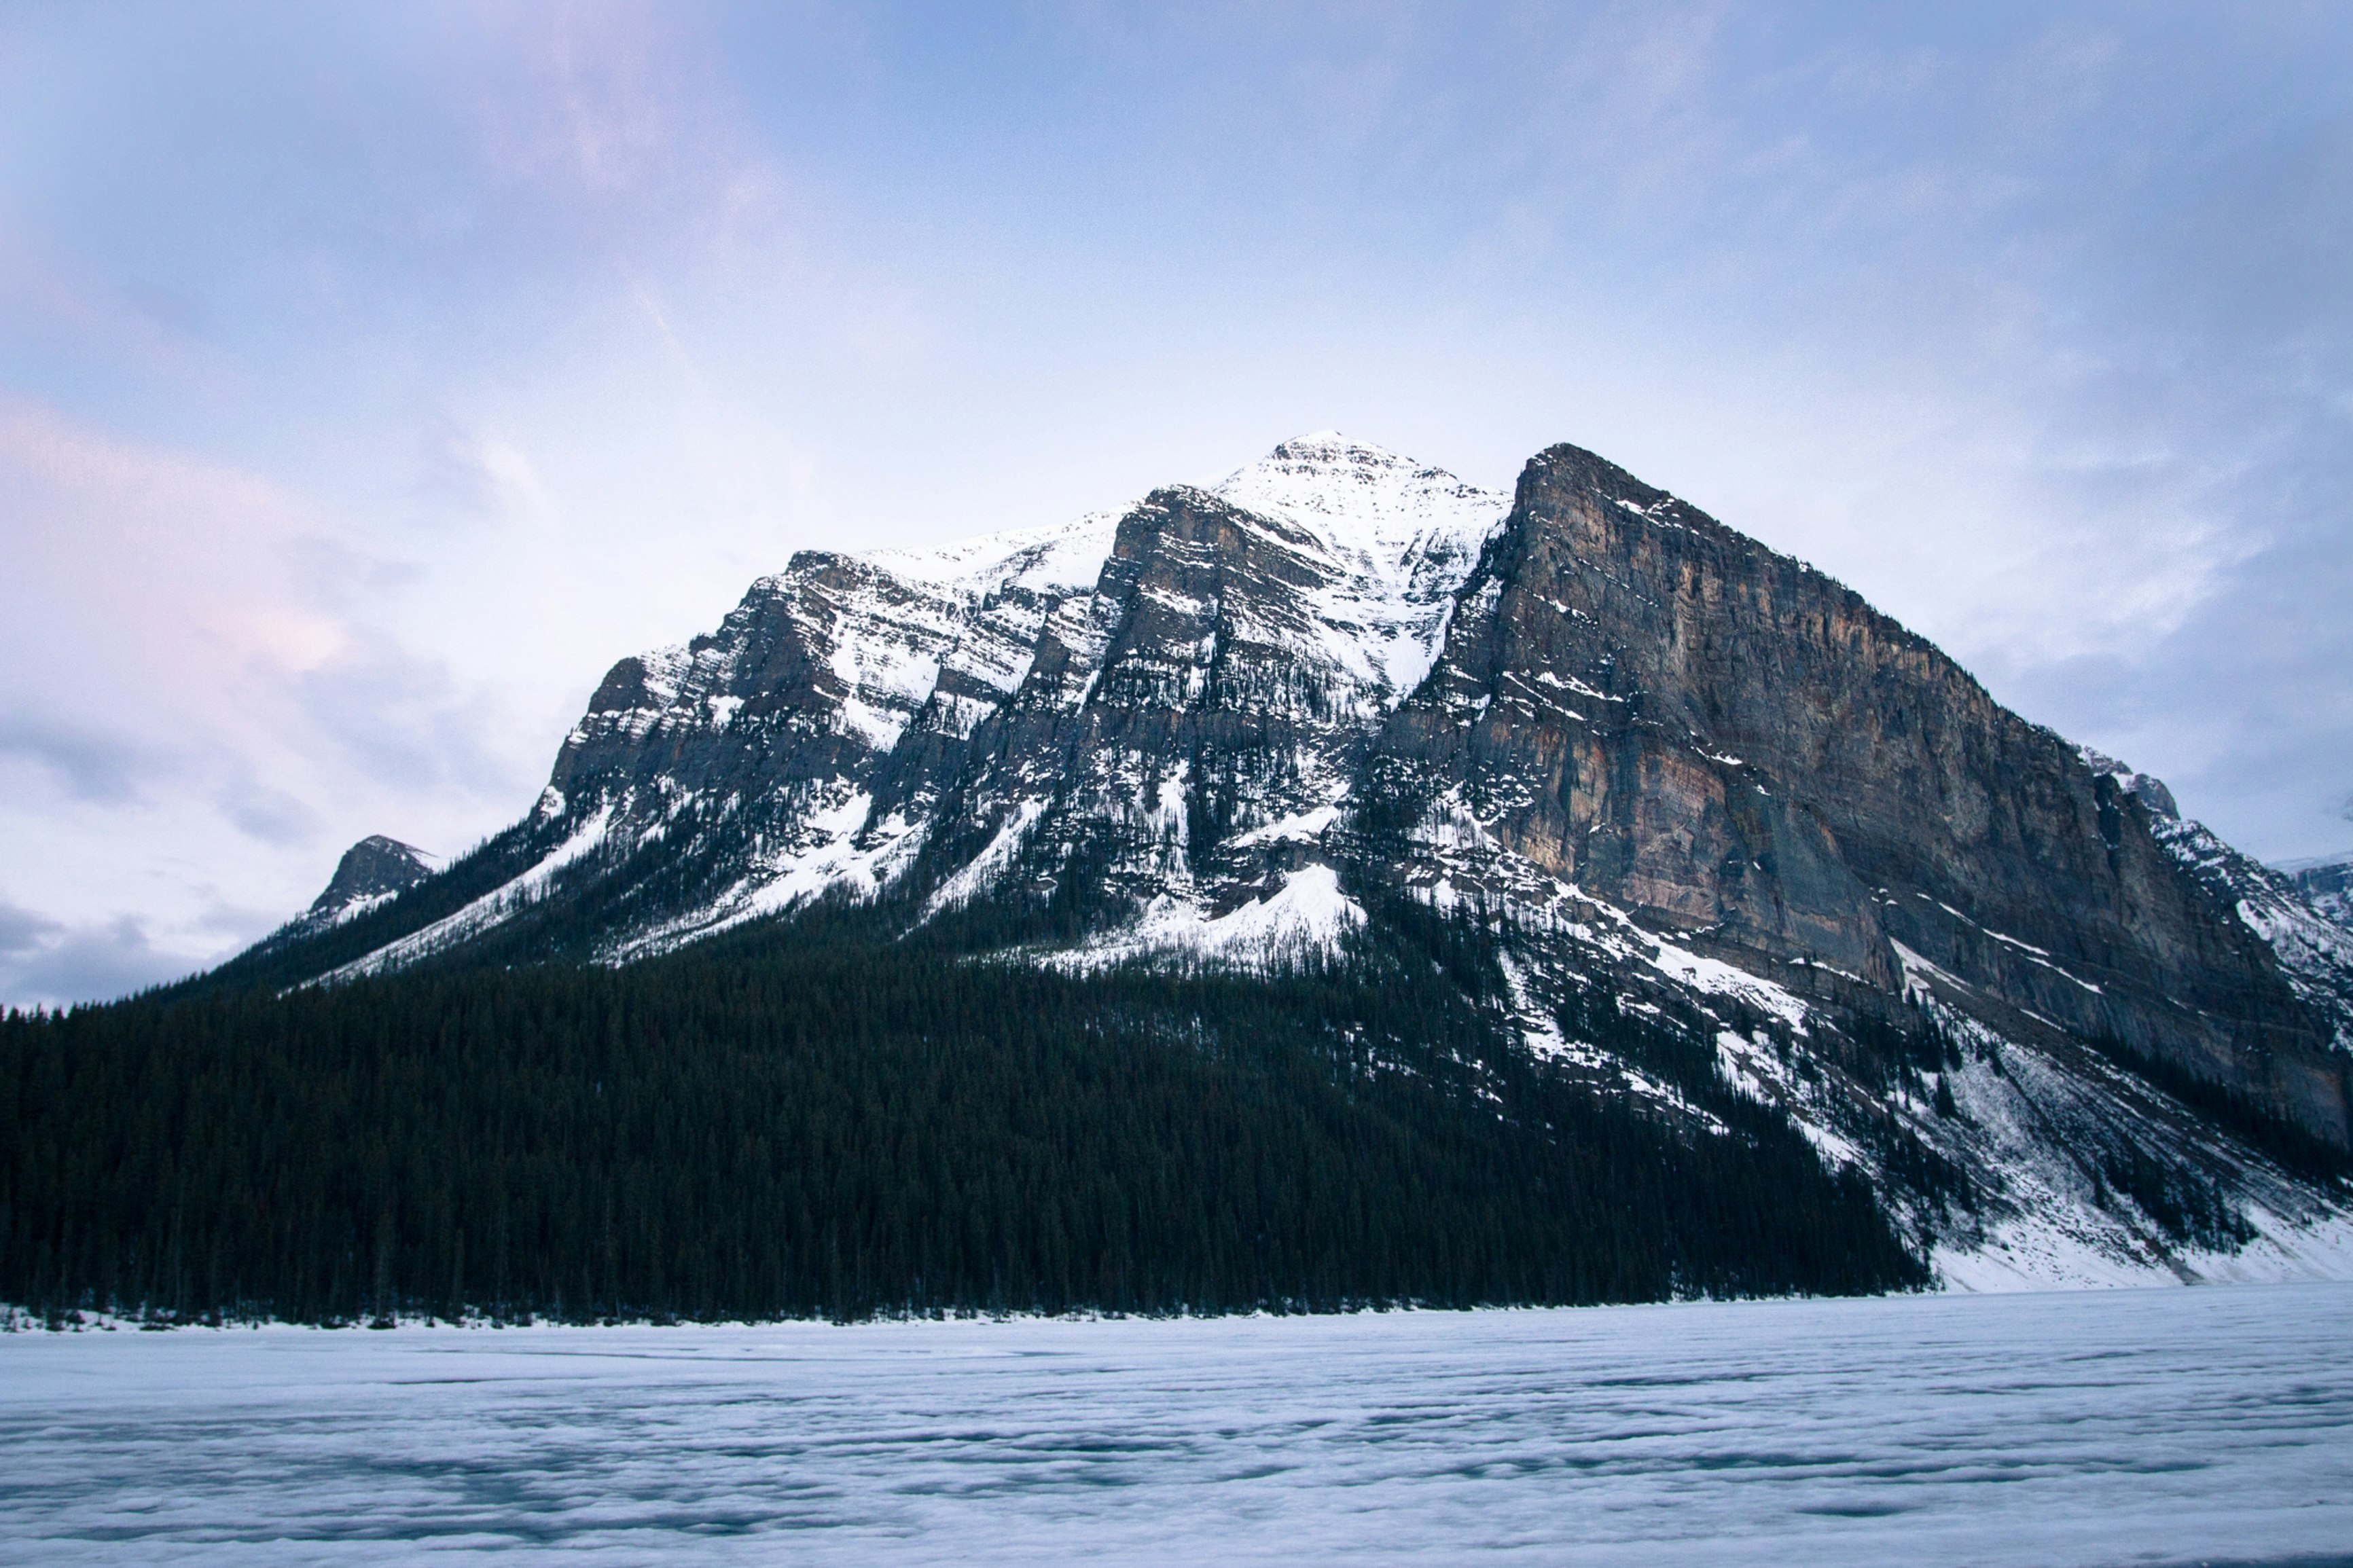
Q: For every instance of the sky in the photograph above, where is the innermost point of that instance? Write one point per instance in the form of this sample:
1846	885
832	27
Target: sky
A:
373	376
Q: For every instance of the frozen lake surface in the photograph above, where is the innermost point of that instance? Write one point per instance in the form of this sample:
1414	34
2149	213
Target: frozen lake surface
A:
2212	1425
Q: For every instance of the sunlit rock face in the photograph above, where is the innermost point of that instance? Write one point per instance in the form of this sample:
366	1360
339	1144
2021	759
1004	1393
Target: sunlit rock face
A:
1676	776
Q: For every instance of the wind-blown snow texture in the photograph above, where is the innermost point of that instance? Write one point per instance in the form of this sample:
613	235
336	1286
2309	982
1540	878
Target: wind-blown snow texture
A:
2139	1426
1219	725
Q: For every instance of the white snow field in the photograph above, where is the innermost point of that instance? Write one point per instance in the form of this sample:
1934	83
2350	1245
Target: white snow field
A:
2203	1425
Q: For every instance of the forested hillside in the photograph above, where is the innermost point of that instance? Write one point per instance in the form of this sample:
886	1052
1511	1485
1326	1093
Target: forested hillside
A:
779	1125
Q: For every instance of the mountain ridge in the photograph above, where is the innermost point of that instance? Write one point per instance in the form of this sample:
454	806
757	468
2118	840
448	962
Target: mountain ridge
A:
1663	754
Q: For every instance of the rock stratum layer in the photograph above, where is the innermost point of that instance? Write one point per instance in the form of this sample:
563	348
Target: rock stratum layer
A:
1679	773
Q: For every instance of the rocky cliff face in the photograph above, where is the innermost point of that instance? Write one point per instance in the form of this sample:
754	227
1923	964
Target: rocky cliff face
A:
1234	723
1740	753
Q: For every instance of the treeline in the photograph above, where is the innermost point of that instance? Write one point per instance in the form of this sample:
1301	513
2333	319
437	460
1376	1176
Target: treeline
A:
767	1128
2295	1150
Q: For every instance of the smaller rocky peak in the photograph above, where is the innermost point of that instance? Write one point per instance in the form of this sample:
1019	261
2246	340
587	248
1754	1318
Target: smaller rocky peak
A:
370	871
2146	788
2334	873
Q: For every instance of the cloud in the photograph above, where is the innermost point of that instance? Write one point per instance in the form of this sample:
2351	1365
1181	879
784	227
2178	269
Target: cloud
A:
477	474
270	814
201	662
22	930
210	612
596	101
48	963
92	764
403	717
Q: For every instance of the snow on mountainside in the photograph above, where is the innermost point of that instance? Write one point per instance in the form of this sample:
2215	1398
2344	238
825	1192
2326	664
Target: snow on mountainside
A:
1680	779
2327	881
889	624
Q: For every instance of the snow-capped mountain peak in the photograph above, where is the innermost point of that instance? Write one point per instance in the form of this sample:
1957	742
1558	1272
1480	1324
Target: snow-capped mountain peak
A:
1364	499
1397	538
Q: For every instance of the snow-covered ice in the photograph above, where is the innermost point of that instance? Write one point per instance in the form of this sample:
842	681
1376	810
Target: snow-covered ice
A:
2106	1428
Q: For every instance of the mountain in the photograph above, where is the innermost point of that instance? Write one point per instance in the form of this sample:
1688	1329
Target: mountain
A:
371	873
2327	883
1678	783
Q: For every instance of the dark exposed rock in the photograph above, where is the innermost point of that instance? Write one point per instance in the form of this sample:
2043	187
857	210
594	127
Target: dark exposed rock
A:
373	869
1742	752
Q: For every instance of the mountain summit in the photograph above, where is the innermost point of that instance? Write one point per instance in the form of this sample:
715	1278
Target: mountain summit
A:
1667	773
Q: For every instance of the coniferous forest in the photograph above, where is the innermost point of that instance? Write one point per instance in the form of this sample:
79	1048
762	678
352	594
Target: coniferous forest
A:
781	1126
